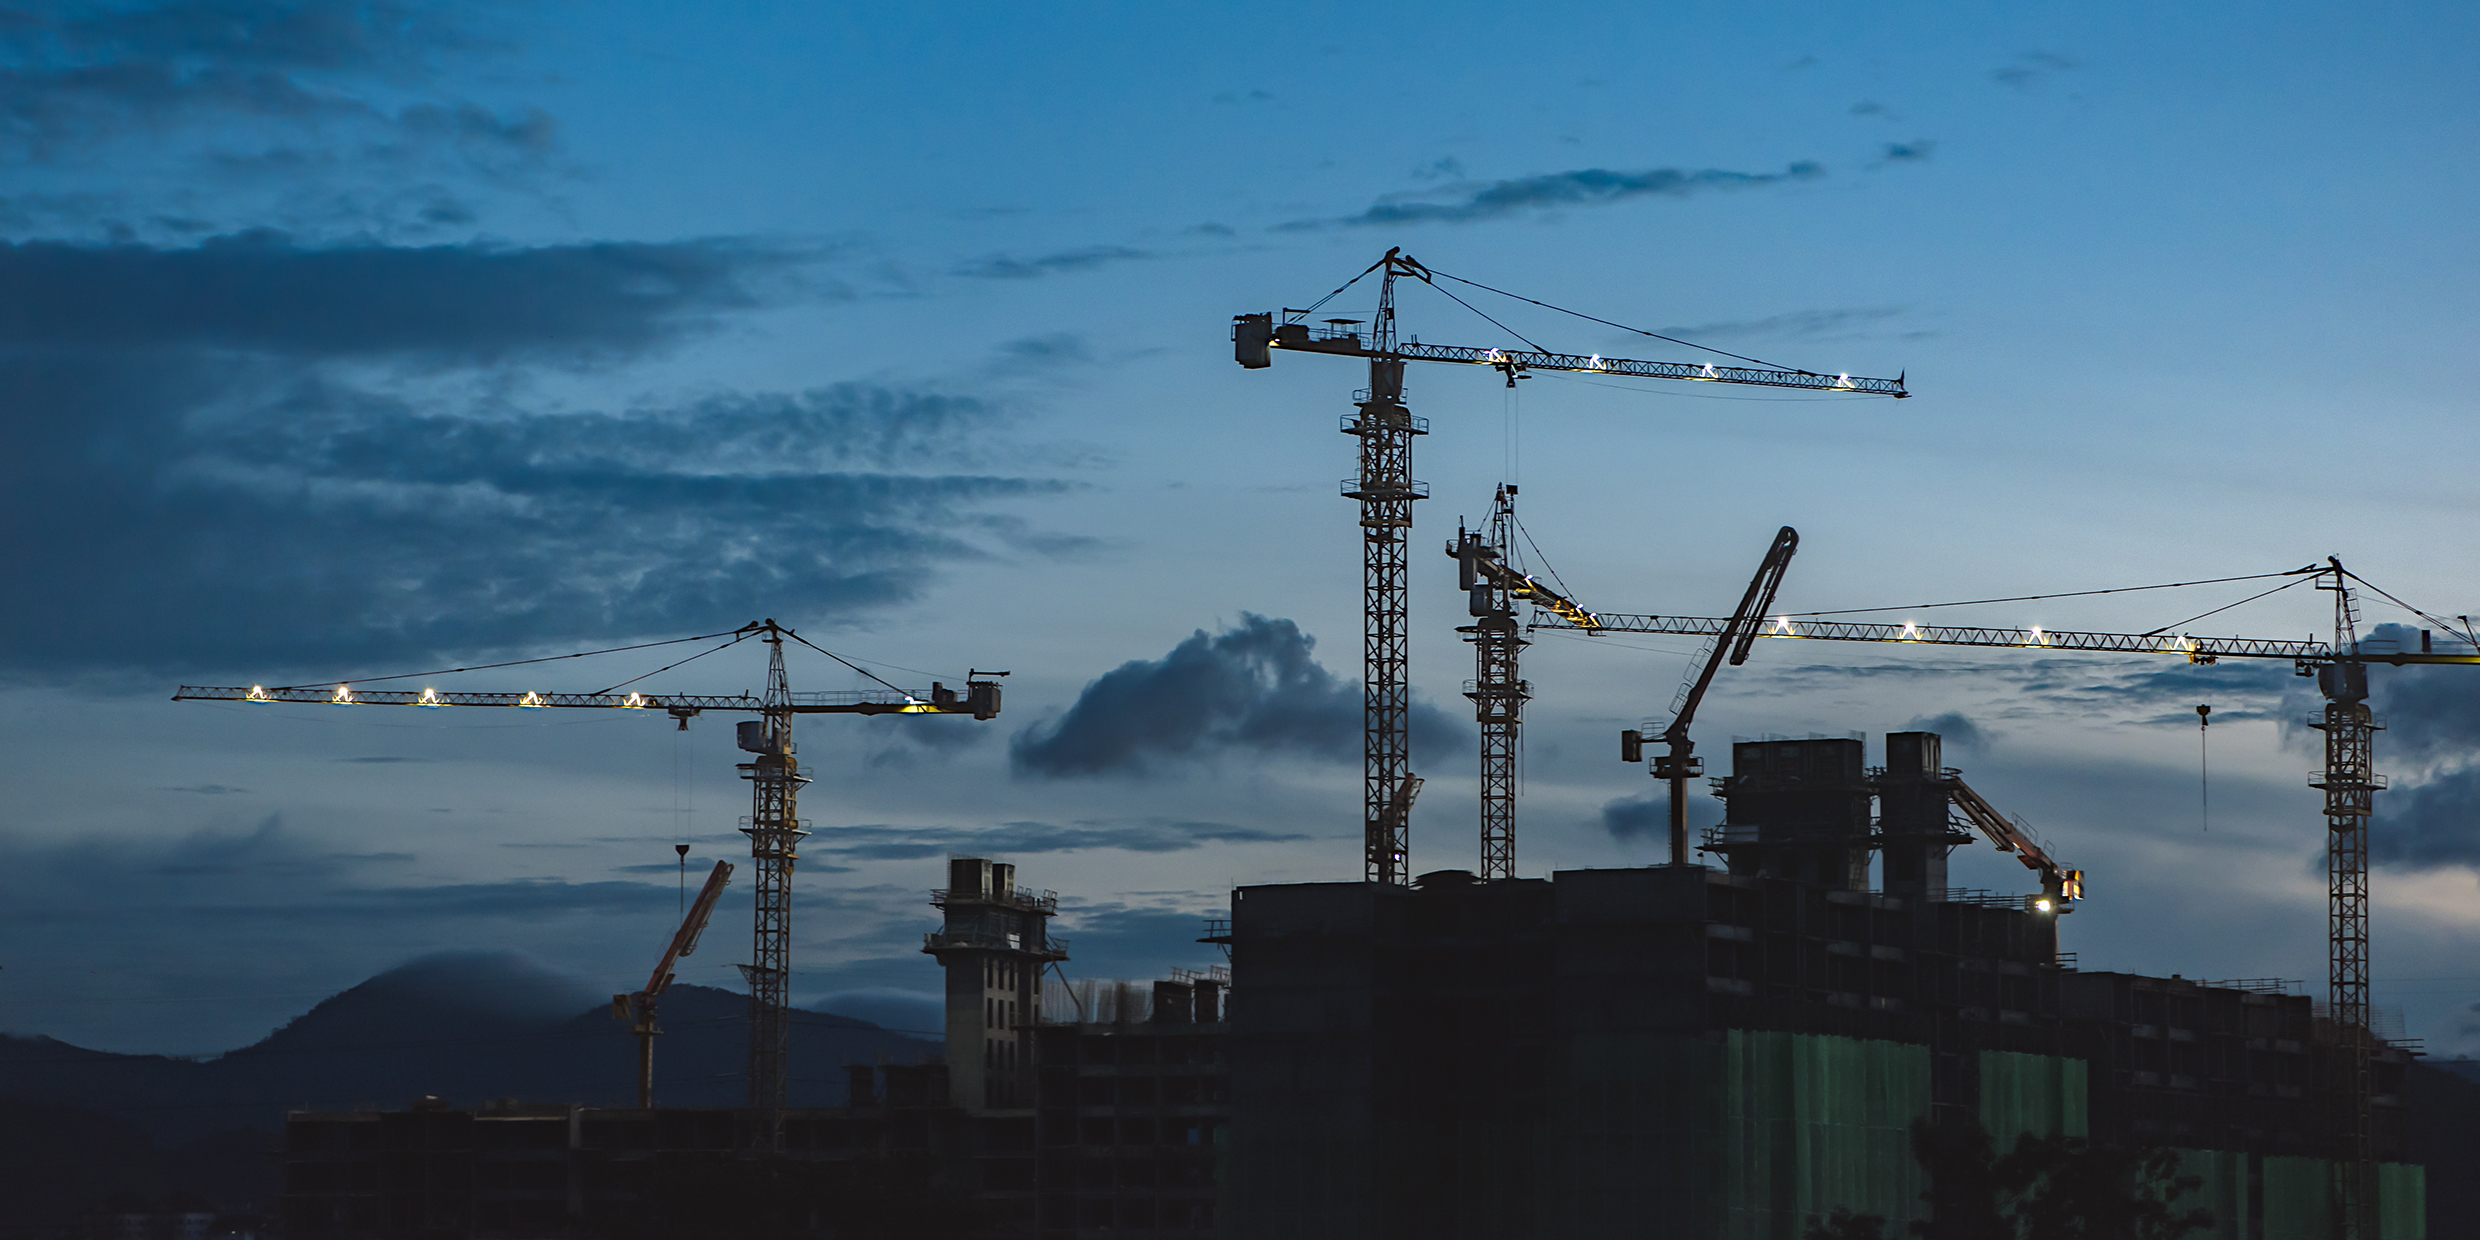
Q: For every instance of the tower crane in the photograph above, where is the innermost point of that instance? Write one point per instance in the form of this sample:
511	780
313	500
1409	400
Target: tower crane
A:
1387	490
2348	780
774	774
639	1009
1494	587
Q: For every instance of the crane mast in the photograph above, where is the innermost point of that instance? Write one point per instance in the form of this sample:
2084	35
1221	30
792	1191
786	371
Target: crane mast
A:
774	833
1386	490
2350	783
1498	693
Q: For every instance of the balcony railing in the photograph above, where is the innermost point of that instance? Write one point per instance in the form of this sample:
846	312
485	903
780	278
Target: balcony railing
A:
1021	897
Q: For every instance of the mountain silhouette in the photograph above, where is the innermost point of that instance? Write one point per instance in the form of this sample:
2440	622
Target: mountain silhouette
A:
465	1028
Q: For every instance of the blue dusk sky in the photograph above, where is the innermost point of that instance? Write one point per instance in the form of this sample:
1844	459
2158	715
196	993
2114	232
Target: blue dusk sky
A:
347	339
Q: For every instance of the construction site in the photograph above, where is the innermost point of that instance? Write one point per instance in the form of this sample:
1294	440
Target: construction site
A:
1775	1026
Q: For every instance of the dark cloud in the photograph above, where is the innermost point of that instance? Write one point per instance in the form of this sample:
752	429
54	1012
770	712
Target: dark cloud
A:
1870	107
1955	730
209	790
2031	67
1915	151
1136	942
268	294
207	464
929	738
1439	169
1252	688
1647	818
1579	188
1150	835
2432	713
79	76
2433	824
1791	325
2432	725
1003	267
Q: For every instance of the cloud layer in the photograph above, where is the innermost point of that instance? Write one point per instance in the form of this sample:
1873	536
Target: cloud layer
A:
1252	688
1582	187
1010	839
214	433
2431	817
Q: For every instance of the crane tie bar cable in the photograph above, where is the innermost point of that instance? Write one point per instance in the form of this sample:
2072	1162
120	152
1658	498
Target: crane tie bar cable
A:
2030	598
840	659
1528	341
2225	607
1605	322
737	639
483	667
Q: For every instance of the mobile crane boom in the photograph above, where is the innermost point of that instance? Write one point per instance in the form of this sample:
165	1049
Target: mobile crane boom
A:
1731	642
639	1008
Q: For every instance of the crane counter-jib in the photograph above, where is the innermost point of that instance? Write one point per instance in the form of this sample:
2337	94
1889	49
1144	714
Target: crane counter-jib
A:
873	702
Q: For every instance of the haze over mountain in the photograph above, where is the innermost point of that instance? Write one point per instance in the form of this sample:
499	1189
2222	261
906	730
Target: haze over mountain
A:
465	1027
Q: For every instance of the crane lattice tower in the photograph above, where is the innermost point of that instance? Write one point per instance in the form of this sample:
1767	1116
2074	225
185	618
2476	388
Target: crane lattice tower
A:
1386	491
1498	694
774	833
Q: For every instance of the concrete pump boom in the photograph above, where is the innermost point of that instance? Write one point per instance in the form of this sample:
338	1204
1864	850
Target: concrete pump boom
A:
639	1008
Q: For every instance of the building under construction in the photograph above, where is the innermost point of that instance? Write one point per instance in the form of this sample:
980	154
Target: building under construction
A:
1672	1051
1736	1051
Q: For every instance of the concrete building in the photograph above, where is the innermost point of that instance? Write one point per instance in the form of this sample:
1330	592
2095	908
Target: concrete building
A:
1734	1052
993	946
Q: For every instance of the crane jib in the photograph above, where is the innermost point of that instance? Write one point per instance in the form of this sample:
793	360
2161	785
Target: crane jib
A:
2196	648
874	702
1303	338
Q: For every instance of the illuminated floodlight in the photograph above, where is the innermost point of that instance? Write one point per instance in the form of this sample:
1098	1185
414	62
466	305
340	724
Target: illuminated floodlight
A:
257	693
634	701
429	700
1782	627
1596	362
1911	631
532	701
343	697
